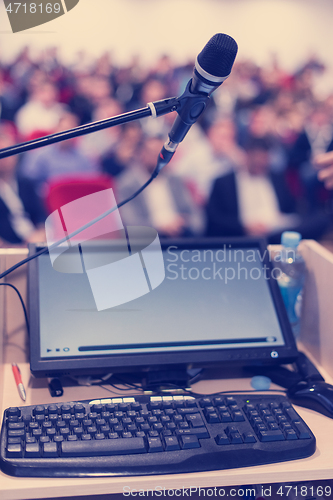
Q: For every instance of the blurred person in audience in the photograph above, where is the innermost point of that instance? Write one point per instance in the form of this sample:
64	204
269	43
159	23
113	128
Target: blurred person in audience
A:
103	65
202	157
119	158
95	145
121	154
166	204
21	69
9	99
57	160
41	113
80	102
289	117
255	201
22	215
263	124
155	90
127	82
315	138
324	164
245	75
101	90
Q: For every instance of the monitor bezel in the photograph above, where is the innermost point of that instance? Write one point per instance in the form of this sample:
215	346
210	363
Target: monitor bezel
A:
142	362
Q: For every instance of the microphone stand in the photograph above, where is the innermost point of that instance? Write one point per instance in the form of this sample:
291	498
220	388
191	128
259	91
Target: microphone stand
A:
157	108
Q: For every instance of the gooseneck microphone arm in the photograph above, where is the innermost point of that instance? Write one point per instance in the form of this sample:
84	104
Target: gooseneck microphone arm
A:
157	108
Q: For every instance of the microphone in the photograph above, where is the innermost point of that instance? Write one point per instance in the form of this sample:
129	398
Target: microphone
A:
212	67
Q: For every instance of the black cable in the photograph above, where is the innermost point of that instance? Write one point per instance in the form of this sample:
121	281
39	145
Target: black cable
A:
23	305
244	391
82	228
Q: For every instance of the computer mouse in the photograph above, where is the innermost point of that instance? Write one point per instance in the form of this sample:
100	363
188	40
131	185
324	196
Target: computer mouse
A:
317	396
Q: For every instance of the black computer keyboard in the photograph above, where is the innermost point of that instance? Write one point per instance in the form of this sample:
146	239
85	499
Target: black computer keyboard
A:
151	435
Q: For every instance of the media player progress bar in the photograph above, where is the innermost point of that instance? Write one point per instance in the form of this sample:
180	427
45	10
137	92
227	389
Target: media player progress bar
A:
253	340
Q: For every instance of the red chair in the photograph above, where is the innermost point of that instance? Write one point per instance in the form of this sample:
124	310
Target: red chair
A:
66	189
62	192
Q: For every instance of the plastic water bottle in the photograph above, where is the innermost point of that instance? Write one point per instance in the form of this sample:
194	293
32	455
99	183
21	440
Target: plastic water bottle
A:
291	279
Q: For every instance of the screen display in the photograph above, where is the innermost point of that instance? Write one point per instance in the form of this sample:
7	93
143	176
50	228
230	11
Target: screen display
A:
210	299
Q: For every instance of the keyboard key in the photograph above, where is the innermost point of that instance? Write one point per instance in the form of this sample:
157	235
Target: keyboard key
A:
191	403
225	417
235	438
248	437
16	433
16	425
78	408
39	410
13	412
72	437
229	401
189	442
65	409
291	414
273	427
186	411
301	430
33	425
212	418
195	420
171	443
14	440
52	409
266	436
237	416
32	450
121	446
44	439
50	450
100	436
222	439
290	434
14	450
205	402
200	432
231	428
154	445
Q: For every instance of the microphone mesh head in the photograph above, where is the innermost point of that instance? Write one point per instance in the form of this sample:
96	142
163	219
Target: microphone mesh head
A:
218	55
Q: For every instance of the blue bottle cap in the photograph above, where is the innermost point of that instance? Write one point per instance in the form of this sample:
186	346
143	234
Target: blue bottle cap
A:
260	383
290	239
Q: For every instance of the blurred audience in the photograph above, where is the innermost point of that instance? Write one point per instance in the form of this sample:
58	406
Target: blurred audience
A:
287	110
21	212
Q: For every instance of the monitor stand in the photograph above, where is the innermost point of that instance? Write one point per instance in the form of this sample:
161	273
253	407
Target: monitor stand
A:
175	378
